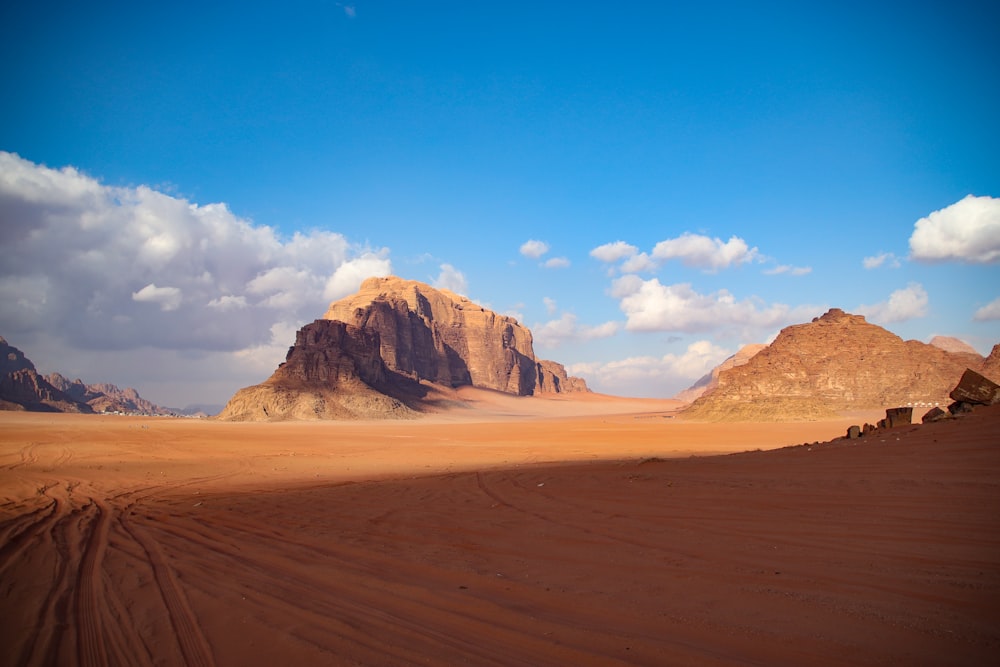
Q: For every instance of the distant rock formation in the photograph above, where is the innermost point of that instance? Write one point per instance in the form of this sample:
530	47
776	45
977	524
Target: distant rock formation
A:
374	353
22	388
951	344
105	397
708	382
836	363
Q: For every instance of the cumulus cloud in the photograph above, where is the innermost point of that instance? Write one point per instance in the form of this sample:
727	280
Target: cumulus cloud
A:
565	328
651	306
989	312
903	304
639	263
613	252
705	253
556	263
534	249
693	250
966	231
452	280
650	375
550	305
887	259
131	268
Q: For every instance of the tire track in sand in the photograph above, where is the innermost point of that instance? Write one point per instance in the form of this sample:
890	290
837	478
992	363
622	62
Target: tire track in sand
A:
194	646
90	609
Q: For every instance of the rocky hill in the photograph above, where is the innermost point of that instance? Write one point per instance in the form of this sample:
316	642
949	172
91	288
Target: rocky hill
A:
836	363
376	353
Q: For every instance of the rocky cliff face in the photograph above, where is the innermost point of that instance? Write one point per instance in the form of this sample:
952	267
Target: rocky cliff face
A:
837	362
374	353
439	336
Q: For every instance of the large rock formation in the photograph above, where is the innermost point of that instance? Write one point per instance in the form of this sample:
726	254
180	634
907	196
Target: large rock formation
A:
375	353
438	336
836	363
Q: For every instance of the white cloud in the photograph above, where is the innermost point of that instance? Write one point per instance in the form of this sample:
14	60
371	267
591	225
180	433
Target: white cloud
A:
639	263
554	332
452	280
887	259
556	263
705	253
534	249
612	252
347	278
966	231
903	304
169	298
650	375
228	302
651	306
550	305
790	270
86	260
990	311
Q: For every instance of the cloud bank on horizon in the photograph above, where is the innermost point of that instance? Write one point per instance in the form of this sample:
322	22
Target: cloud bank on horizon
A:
141	281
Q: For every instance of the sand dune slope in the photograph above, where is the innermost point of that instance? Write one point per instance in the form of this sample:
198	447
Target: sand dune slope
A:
167	542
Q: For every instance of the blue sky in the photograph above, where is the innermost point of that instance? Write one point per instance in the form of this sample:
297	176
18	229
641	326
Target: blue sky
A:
647	186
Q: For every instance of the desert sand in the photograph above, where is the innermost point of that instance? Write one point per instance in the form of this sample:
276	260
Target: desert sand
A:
585	531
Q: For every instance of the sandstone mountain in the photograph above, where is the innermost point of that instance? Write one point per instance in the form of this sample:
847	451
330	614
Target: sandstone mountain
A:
836	363
380	352
708	382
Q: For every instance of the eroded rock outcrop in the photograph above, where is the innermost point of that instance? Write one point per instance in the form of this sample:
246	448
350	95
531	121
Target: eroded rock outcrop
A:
375	354
836	363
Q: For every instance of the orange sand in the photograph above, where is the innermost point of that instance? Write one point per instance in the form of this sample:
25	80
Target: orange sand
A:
514	531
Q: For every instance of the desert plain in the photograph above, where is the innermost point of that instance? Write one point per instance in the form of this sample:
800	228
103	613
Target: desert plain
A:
501	531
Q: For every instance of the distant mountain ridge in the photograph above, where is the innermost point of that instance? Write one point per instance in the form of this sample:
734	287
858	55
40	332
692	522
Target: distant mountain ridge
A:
838	362
23	388
381	353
